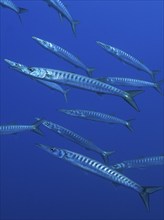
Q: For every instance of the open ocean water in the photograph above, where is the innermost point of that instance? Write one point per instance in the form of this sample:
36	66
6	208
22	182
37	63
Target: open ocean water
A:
36	185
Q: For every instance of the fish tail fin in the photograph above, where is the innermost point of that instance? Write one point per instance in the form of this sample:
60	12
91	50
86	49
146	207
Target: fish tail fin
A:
22	10
145	194
105	155
65	94
36	125
129	98
154	73
129	124
73	24
89	71
157	86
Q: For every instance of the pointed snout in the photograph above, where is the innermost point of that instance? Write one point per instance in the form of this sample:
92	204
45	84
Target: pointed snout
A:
100	44
37	39
62	110
44	147
10	62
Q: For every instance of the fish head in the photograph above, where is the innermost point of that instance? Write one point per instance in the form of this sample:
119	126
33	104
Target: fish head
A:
107	47
48	124
37	72
53	126
72	112
52	150
17	66
67	111
44	43
101	44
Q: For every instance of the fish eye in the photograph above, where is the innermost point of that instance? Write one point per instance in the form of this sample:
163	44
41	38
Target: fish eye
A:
17	65
31	69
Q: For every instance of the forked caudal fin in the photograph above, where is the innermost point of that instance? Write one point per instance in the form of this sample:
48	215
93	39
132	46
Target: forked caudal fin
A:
129	124
105	155
89	71
147	190
154	73
21	10
73	25
130	94
157	86
36	126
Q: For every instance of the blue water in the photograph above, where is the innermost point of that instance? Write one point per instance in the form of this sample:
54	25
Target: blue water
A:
36	185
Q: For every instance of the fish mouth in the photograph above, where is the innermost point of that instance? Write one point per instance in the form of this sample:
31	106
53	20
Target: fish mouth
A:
13	64
62	110
10	62
101	44
45	147
37	39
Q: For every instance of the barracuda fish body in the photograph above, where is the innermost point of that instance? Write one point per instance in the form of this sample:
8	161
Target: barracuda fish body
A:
120	81
127	58
63	12
74	137
97	116
64	54
140	163
101	170
9	4
78	81
13	129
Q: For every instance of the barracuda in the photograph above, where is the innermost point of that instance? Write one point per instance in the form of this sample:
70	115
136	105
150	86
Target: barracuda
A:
9	4
64	54
127	58
78	81
101	170
120	81
13	129
97	116
63	12
74	137
139	163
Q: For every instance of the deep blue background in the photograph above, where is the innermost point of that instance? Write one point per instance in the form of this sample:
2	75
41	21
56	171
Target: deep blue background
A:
34	185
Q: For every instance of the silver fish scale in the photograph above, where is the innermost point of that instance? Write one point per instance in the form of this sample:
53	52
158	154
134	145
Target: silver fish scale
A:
128	81
100	169
129	59
149	161
141	162
67	55
97	116
72	136
60	6
78	81
6	129
9	4
79	140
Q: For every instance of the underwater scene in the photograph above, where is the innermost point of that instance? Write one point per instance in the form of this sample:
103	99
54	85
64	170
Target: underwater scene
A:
81	110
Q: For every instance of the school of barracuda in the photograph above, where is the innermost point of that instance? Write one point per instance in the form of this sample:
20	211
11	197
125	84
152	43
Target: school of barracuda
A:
54	79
